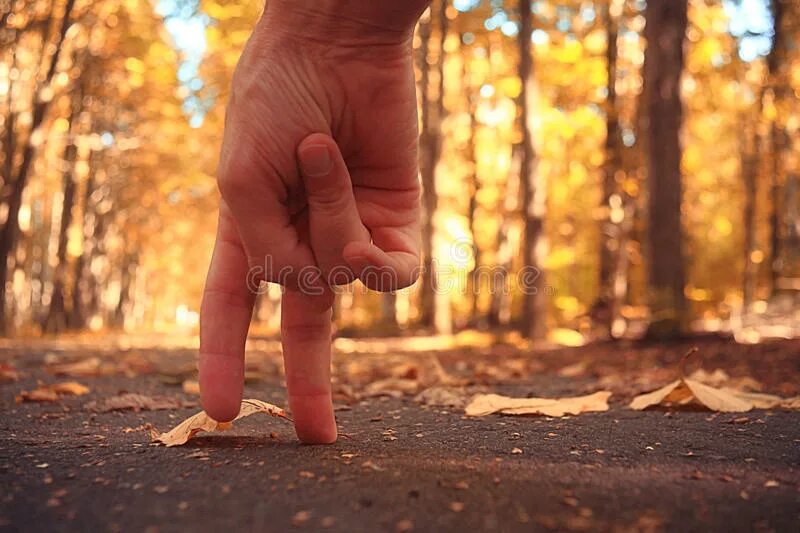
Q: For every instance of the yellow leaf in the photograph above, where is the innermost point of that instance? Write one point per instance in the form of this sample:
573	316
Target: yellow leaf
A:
566	337
574	370
715	378
70	387
191	386
765	401
187	429
442	396
486	404
393	387
8	373
84	367
135	65
51	393
644	401
717	399
727	400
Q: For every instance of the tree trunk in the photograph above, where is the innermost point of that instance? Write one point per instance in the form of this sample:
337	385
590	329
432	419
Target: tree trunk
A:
10	232
431	115
665	31
610	233
86	288
532	276
426	170
792	240
76	319
776	137
128	274
776	201
389	311
56	318
749	164
500	305
472	217
473	282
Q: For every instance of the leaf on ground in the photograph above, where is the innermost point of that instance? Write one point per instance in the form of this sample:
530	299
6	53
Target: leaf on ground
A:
392	387
442	397
8	373
187	429
717	399
191	386
131	401
685	390
442	377
92	366
644	401
766	401
574	370
486	404
720	379
715	378
51	393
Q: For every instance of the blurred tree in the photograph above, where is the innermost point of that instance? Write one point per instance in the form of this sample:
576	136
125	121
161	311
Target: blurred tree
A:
15	177
607	303
524	168
749	169
432	115
470	104
56	318
531	189
775	90
663	65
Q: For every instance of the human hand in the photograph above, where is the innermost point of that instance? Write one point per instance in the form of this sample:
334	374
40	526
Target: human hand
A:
345	74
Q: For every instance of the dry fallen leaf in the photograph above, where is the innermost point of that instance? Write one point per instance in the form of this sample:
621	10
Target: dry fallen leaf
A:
456	507
187	429
486	404
85	367
392	387
301	517
70	387
441	376
8	373
720	379
442	397
766	401
685	390
134	402
717	399
51	393
574	370
191	386
404	526
715	378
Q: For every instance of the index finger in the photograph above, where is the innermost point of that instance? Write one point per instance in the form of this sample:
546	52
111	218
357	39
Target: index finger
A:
224	320
306	339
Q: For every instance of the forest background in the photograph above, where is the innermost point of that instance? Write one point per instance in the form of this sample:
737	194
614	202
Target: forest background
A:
653	187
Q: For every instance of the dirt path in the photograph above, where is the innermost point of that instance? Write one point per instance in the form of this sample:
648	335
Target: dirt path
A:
401	467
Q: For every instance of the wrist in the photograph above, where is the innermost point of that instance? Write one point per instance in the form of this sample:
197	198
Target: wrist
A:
344	22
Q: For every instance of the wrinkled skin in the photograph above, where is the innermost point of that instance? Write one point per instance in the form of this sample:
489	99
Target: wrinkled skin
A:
331	76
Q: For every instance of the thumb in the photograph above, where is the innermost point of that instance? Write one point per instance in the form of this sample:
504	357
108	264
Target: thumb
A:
334	220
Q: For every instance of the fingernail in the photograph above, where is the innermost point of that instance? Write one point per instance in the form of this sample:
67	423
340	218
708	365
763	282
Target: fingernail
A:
315	160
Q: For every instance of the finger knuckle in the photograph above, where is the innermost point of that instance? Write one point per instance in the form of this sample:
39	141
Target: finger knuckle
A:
331	200
410	277
306	332
233	177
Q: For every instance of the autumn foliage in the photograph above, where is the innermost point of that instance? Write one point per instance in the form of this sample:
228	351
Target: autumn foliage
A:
644	185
